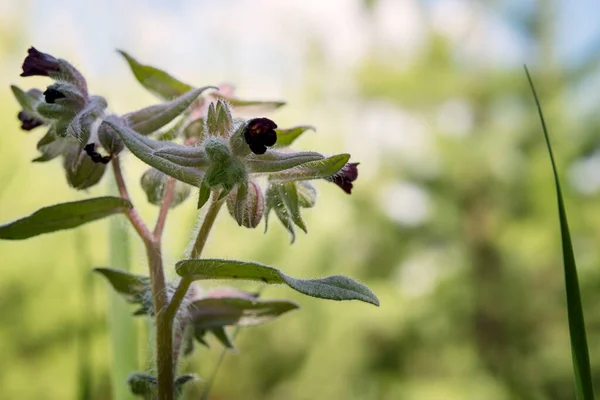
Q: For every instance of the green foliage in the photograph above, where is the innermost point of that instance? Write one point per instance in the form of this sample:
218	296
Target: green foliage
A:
285	137
63	216
312	170
332	288
155	80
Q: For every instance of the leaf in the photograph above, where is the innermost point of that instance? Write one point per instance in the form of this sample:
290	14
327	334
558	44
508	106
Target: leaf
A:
223	337
155	80
227	311
51	146
332	288
152	118
579	346
286	137
133	288
312	170
276	161
146	149
28	100
289	195
63	216
246	106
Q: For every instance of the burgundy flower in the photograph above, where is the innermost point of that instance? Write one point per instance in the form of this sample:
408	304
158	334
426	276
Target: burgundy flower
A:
345	177
96	157
38	63
28	122
51	95
260	134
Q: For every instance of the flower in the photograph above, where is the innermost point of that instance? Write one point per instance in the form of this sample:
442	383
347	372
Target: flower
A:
260	134
40	64
51	95
96	157
345	177
28	122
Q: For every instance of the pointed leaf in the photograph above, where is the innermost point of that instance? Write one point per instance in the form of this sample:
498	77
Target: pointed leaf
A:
28	100
134	288
146	150
250	106
312	170
273	201
51	146
155	80
151	119
223	337
227	311
333	287
579	347
286	137
289	195
276	161
63	216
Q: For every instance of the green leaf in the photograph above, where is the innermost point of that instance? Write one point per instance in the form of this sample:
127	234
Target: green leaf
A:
133	288
155	80
286	137
333	287
255	105
579	347
51	146
28	100
146	149
223	337
289	195
275	161
312	170
227	311
273	201
63	216
152	118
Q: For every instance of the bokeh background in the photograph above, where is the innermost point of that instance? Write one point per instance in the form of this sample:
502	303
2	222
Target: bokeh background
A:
452	221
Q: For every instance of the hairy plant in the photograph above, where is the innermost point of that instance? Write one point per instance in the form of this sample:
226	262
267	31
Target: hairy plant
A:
190	140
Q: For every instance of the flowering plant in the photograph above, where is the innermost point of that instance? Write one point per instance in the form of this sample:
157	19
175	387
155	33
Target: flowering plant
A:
190	140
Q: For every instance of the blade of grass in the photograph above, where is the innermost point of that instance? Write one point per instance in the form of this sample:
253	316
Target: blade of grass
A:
85	382
579	347
123	332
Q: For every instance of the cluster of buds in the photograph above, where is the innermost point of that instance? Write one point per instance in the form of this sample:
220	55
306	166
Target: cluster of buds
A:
210	149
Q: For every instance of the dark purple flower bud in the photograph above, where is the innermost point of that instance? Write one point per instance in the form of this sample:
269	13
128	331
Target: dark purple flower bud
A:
260	134
51	95
38	63
28	122
96	157
345	177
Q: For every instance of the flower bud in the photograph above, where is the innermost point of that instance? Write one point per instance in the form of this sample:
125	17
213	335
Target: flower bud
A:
154	184
218	120
246	204
345	177
28	122
82	172
39	64
109	138
65	94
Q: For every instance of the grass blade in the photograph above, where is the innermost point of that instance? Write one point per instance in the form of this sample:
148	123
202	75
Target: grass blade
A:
579	347
123	332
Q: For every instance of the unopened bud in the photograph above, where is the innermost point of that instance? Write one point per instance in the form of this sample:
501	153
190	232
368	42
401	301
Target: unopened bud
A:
82	172
218	120
109	138
246	204
154	184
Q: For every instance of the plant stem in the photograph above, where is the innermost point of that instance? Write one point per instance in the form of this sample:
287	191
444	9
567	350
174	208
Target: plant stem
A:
164	209
200	242
164	325
132	214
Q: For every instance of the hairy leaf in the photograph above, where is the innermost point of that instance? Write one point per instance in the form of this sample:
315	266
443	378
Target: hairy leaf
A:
275	161
152	118
286	137
333	287
312	170
225	311
132	287
155	80
146	149
63	216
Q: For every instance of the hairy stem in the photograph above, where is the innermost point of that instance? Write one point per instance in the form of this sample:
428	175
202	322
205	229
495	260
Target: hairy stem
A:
164	325
132	214
164	209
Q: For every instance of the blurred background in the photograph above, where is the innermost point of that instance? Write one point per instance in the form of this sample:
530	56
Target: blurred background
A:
452	221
